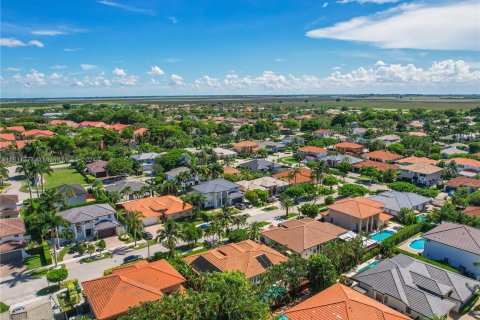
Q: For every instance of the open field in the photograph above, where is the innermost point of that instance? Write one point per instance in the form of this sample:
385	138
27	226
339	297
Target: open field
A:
302	101
63	176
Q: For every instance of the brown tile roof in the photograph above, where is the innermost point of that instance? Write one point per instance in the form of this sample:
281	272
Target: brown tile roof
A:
413	160
140	131
110	296
424	168
466	162
463	182
157	206
305	175
97	166
348	145
10	227
12	245
8	198
245	144
15	128
383	155
472	211
22	143
312	149
341	302
300	235
58	122
417	134
37	133
376	164
247	256
118	127
230	170
321	131
359	207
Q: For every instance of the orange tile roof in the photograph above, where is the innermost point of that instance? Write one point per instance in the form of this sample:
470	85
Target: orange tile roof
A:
230	170
300	235
465	162
5	144
14	128
242	144
312	149
383	155
321	131
118	127
58	122
305	175
111	296
21	143
157	206
463	182
376	164
384	216
348	145
472	211
96	124
423	168
412	160
10	227
241	256
37	133
341	302
140	131
359	207
7	136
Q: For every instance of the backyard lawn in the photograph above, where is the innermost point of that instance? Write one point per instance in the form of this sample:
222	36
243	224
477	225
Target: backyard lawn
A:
64	176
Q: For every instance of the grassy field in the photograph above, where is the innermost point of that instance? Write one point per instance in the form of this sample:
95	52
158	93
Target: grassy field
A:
64	176
3	307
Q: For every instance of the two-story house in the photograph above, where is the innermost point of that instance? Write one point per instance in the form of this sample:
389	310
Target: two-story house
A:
12	244
8	206
421	174
145	160
311	153
219	192
74	193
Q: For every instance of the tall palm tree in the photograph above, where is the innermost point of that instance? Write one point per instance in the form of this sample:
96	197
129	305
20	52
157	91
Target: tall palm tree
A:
98	190
450	170
3	172
126	191
254	231
183	178
35	149
134	224
168	187
319	171
24	168
169	235
113	197
225	217
286	203
43	168
190	233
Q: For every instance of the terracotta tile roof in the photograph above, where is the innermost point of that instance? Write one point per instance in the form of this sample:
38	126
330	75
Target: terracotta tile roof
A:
312	149
423	168
37	133
15	128
416	123
5	144
417	134
21	143
383	155
118	127
140	131
321	131
376	164
110	296
359	207
465	162
230	170
413	160
384	216
243	144
472	211
247	256
348	145
157	206
94	124
463	182
7	136
10	227
305	175
300	235
341	302
58	122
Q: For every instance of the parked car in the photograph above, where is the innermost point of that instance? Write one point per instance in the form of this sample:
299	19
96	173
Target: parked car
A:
248	205
240	206
147	235
132	257
17	310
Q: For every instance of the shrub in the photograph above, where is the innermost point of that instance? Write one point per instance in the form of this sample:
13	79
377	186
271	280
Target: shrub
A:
57	275
237	235
72	293
47	256
408	232
329	200
352	190
90	178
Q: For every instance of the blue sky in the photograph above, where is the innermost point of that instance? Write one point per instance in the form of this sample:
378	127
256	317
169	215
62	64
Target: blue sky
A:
124	47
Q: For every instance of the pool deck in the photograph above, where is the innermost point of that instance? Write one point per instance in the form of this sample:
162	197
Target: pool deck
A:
354	271
405	245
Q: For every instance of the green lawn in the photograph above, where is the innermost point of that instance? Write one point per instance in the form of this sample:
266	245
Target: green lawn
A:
263	223
3	307
64	176
287	160
63	252
271	208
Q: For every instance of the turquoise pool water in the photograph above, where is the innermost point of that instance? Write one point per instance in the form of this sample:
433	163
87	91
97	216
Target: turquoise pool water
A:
418	244
382	235
373	264
421	218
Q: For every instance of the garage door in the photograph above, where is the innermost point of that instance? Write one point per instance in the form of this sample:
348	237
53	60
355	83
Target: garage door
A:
106	233
11	256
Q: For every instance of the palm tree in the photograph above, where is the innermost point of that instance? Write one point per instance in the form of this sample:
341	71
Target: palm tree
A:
134	224
183	178
225	217
319	170
286	203
126	191
35	149
450	170
113	197
228	161
190	233
43	168
390	175
24	168
169	235
97	189
3	172
254	231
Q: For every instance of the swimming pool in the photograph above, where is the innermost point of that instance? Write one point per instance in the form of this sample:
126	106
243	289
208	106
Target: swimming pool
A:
371	265
382	235
421	218
418	244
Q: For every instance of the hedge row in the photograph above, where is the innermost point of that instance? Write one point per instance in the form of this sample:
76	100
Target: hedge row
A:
408	231
47	256
422	258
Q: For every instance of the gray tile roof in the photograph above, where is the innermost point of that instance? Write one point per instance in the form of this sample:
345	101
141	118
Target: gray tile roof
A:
457	236
176	171
418	284
213	186
87	213
145	156
120	185
77	189
341	157
450	151
260	164
395	200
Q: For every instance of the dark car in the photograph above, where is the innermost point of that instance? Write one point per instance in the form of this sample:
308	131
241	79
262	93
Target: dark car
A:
147	235
132	257
73	249
248	205
240	206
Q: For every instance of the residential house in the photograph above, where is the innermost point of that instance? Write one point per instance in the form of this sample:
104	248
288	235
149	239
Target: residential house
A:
349	148
230	170
219	192
156	209
381	166
394	201
247	147
69	123
248	257
304	236
389	139
37	133
417	134
293	139
321	133
416	124
112	295
335	159
173	174
89	221
271	146
416	160
311	153
448	152
357	214
145	160
456	244
293	177
39	310
416	288
453	184
270	184
74	193
119	127
467	167
421	173
7	137
140	132
14	129
340	137
97	169
8	206
359	131
262	166
12	244
472	211
122	186
341	302
93	124
382	156
222	153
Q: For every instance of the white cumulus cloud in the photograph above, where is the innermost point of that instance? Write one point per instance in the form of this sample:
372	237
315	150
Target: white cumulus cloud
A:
156	71
176	80
13	42
119	72
86	66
